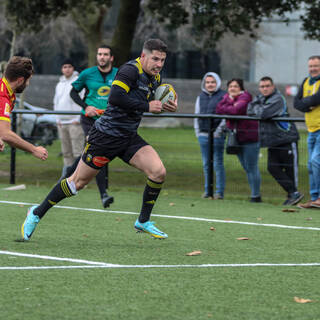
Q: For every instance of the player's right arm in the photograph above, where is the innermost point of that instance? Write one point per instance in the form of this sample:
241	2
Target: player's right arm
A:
10	137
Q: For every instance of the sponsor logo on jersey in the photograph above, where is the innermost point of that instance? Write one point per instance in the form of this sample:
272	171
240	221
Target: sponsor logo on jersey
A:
103	91
100	161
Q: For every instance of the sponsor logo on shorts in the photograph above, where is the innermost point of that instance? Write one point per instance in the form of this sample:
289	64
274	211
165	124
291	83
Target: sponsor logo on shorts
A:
89	158
100	161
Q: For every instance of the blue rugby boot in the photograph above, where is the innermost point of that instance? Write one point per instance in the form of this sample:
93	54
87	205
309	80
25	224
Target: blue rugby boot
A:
29	224
149	227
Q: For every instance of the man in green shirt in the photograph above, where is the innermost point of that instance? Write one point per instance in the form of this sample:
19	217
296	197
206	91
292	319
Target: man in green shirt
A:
97	82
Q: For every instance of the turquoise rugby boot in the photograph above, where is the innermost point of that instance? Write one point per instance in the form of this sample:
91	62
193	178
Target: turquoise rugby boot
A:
29	224
149	227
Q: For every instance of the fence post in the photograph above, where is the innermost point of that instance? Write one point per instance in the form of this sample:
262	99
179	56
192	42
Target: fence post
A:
13	151
210	156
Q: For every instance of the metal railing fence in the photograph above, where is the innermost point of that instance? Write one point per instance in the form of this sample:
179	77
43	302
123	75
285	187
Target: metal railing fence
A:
149	115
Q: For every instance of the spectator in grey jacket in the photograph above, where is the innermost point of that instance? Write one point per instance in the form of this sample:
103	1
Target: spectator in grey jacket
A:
280	137
206	103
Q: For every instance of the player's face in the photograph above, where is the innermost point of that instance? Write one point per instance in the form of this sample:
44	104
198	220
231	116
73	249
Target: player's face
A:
314	67
67	70
210	84
22	84
234	89
152	62
104	58
266	88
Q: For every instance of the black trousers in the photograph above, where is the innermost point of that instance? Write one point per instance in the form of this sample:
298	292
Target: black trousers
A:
283	165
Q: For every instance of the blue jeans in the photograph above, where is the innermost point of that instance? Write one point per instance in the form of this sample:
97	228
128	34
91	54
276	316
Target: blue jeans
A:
217	163
314	164
248	158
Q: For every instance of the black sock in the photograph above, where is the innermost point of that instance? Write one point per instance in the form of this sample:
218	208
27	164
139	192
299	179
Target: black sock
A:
60	191
150	195
101	181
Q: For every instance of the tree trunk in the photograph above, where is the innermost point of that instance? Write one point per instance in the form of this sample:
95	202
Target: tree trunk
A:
91	25
124	32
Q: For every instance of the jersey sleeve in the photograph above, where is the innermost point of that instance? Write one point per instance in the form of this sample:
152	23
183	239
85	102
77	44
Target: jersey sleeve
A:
126	79
80	83
5	109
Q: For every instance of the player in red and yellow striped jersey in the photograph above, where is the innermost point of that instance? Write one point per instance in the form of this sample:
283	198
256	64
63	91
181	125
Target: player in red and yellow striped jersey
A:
16	78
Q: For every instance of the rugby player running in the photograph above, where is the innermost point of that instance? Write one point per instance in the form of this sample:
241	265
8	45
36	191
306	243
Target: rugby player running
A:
115	135
16	78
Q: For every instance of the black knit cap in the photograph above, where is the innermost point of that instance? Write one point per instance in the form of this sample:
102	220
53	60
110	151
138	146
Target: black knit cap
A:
68	61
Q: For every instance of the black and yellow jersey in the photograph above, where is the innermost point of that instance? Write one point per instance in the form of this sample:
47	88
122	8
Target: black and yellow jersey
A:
131	91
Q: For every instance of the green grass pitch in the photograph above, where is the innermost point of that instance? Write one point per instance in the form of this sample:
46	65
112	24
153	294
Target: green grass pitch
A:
175	290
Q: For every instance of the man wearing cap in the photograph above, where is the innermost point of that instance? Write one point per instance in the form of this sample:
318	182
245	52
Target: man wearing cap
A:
70	131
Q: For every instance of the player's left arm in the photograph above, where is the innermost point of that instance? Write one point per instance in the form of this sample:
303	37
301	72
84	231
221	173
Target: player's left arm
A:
10	137
1	145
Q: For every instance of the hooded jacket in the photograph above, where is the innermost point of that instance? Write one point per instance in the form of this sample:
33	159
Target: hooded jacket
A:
247	130
63	102
206	103
273	133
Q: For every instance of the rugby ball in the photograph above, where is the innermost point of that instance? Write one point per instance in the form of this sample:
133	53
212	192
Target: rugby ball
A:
165	92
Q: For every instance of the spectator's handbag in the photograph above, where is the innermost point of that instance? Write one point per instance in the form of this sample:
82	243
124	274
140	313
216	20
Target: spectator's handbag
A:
233	146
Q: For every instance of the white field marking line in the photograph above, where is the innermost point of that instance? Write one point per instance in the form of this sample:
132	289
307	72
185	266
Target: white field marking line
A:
106	266
37	256
175	217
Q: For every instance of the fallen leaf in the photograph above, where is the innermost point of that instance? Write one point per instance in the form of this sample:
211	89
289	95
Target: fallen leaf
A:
302	300
289	210
212	228
194	253
309	218
259	219
171	204
243	238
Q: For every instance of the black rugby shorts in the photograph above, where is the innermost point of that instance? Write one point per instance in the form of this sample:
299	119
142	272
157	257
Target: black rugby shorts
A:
102	148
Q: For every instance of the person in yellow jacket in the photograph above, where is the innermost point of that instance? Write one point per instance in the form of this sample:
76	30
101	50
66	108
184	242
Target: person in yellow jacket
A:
308	101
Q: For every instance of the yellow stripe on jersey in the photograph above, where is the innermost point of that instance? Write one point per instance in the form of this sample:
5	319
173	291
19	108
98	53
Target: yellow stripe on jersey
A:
121	84
138	65
8	86
5	119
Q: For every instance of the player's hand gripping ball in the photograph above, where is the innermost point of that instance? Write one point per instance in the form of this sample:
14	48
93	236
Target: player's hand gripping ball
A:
165	92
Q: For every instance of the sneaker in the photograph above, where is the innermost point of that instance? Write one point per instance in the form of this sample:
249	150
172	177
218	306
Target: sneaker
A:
293	198
205	196
149	227
29	224
218	196
256	199
306	205
106	200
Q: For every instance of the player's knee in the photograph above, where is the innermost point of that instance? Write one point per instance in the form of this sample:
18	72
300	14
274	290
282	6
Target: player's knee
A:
159	174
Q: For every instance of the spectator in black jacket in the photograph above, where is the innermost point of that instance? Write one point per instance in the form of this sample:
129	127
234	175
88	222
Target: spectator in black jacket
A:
280	137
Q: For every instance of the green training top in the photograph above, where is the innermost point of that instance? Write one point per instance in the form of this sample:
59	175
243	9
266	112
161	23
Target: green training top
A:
97	89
